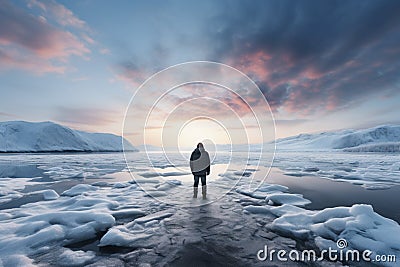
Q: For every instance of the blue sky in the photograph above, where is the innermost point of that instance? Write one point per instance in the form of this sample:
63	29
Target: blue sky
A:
321	65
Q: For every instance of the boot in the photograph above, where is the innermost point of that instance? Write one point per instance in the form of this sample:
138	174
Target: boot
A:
204	191
195	191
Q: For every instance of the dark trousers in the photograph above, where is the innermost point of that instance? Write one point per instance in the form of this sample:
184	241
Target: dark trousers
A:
196	180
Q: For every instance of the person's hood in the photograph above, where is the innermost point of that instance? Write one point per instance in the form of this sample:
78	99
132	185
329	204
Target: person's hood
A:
199	150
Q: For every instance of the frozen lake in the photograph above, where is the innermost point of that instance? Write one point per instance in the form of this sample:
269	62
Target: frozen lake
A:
79	209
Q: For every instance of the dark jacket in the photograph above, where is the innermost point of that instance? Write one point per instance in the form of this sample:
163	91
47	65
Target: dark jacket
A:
200	162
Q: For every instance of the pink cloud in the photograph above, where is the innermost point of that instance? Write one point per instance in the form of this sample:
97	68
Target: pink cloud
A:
295	103
332	103
253	64
221	102
90	119
132	79
286	85
131	75
14	59
58	12
32	43
312	73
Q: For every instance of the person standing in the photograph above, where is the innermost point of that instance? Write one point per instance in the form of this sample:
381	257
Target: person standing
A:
200	168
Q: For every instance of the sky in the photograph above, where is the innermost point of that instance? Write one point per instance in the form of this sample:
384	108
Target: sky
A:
321	65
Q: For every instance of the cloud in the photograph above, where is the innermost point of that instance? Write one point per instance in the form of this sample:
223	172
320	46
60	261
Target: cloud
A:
9	115
59	13
306	56
105	51
14	59
85	117
137	68
131	74
310	56
289	122
33	43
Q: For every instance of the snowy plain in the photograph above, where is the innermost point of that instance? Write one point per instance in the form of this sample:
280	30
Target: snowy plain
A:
369	170
85	209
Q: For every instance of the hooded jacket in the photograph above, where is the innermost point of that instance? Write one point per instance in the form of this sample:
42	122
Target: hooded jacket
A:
200	162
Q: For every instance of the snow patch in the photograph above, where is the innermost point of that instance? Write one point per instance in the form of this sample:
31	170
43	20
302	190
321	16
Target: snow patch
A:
79	189
16	260
262	192
286	198
26	234
132	234
359	225
122	237
153	216
75	258
50	195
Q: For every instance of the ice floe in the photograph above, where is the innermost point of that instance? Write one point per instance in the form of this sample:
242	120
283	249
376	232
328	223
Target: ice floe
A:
140	229
24	234
79	189
361	227
372	171
286	198
11	188
75	258
273	194
119	213
50	194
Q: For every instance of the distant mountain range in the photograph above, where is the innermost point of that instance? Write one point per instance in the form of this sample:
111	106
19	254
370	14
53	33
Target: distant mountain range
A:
22	136
385	138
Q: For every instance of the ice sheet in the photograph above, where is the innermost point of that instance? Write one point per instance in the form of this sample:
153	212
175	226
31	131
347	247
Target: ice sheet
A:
120	213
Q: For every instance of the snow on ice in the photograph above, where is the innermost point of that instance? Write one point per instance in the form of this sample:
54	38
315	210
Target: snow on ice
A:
359	225
121	214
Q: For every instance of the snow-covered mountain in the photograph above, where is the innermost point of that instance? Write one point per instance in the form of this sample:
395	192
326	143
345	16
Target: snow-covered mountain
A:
22	136
384	138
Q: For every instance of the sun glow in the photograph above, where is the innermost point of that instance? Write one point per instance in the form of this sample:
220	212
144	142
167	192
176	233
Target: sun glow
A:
201	129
